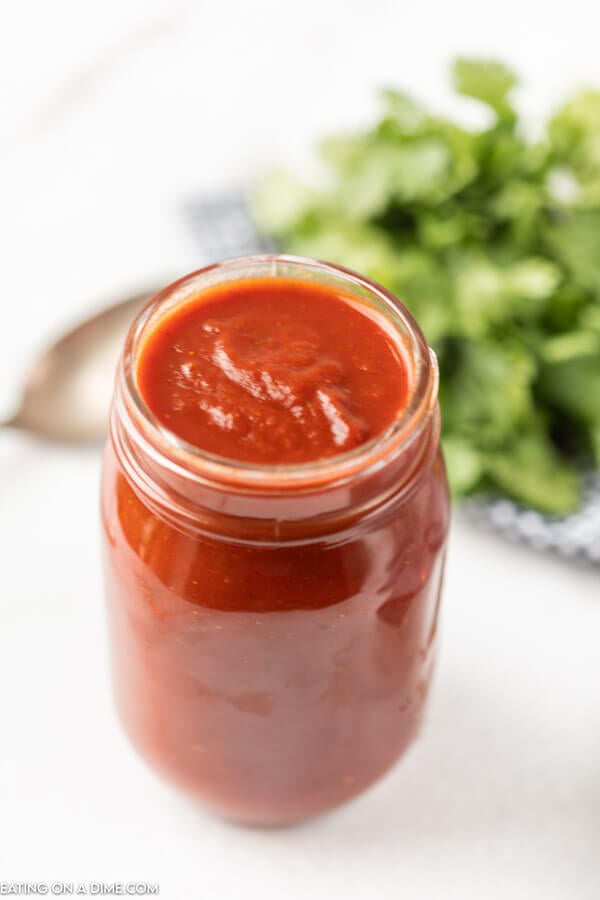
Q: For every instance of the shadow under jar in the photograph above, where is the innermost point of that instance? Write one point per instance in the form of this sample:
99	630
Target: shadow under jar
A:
273	627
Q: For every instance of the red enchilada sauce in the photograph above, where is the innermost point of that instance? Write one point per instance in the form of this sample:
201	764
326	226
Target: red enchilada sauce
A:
273	629
272	371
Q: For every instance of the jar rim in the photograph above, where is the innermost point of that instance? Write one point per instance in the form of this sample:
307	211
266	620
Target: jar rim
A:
187	459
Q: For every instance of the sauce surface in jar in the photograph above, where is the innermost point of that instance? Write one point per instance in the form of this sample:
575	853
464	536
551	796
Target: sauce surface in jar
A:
275	512
273	371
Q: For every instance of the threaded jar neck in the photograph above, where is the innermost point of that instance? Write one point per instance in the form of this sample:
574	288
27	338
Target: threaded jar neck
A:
184	483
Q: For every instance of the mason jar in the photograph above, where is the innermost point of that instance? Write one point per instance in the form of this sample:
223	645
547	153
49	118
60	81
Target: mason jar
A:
273	628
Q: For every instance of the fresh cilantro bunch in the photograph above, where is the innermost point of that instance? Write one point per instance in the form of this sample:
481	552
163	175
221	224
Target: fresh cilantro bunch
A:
493	241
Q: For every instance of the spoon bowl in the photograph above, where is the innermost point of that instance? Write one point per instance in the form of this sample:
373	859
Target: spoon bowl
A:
67	393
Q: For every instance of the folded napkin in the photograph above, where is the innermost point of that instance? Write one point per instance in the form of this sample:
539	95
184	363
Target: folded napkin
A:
224	228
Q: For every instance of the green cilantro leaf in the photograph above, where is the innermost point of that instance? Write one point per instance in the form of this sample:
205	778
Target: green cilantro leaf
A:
493	241
485	80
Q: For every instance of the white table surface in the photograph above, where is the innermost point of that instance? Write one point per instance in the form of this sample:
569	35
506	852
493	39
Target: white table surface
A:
112	114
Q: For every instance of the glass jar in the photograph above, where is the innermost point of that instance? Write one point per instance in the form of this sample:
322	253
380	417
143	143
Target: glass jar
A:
273	628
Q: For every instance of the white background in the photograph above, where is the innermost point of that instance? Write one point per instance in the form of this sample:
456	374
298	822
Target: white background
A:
112	114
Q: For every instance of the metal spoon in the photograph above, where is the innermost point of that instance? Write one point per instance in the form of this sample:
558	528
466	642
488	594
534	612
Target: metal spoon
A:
67	392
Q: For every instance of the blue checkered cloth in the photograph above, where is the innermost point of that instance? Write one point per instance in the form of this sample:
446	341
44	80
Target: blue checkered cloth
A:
224	229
